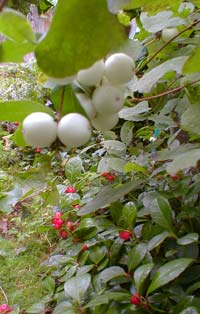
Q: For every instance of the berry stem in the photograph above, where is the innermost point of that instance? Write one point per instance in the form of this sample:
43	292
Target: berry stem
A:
4	295
59	113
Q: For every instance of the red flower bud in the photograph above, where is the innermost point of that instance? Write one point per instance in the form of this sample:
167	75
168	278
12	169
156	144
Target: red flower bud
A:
125	235
63	234
135	299
70	189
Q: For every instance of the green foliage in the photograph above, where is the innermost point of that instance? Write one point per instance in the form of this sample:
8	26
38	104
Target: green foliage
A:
130	223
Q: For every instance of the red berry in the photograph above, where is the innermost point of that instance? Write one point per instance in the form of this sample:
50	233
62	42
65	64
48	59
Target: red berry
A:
58	215
38	150
125	235
110	177
77	206
135	299
104	174
70	225
16	123
70	189
174	176
63	234
84	247
4	307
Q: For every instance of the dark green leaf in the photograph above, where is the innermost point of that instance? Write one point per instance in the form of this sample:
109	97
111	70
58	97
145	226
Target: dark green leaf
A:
71	43
105	298
108	195
157	240
97	253
168	272
136	255
111	273
188	239
140	276
76	287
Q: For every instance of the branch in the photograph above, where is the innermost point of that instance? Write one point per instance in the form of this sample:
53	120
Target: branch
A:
2	4
167	92
166	44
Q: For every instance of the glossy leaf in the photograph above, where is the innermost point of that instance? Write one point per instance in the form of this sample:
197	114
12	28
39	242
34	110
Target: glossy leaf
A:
157	240
140	276
63	53
14	52
111	273
108	195
76	287
136	255
168	272
105	298
73	168
188	239
126	132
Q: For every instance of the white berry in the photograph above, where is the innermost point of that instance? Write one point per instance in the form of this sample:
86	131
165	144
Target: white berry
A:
74	130
105	122
119	68
108	99
86	104
169	33
39	129
93	75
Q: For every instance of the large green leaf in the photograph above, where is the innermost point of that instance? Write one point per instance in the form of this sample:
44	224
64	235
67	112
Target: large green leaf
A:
136	255
153	5
111	273
105	298
15	26
193	62
81	33
161	213
17	110
76	287
168	272
140	276
190	119
108	195
11	51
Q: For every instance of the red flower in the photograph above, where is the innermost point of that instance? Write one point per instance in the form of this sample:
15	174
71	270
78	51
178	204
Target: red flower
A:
70	189
125	235
135	299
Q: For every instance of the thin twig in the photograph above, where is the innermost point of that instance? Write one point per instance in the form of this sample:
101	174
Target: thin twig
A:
166	44
4	295
2	4
59	113
167	92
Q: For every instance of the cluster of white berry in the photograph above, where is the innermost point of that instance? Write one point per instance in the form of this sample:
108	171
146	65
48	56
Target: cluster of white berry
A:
109	79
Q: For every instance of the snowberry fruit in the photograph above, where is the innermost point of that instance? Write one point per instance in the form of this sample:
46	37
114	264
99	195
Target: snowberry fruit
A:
119	68
169	33
70	189
105	122
135	299
86	104
39	129
93	75
108	99
125	235
74	130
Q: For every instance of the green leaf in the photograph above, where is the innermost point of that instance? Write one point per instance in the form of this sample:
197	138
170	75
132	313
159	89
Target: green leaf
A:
152	6
168	272
111	273
126	132
128	216
184	161
108	195
76	287
18	137
49	284
161	213
36	308
136	255
108	164
157	240
193	62
97	253
114	147
17	110
135	113
64	307
73	168
15	26
190	310
70	102
71	43
149	79
188	239
140	276
105	298
190	119
14	52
